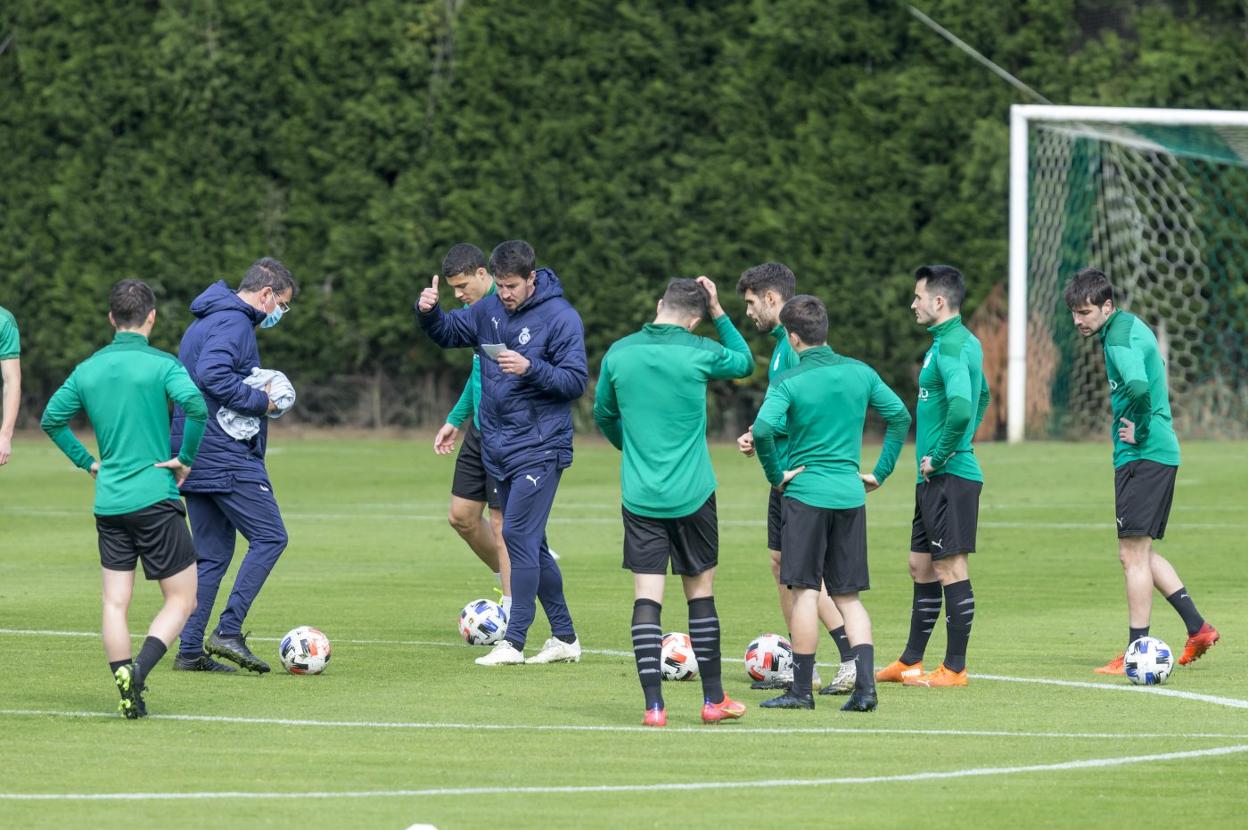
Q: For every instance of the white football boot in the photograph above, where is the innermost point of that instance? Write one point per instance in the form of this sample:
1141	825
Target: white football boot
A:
844	681
557	651
503	654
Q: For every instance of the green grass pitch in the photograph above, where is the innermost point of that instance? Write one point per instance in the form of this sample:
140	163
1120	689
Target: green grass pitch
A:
403	729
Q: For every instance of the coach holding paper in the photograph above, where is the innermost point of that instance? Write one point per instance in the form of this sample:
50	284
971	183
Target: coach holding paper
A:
532	354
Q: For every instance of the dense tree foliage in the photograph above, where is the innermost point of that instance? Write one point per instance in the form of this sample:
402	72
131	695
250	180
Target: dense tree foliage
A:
629	142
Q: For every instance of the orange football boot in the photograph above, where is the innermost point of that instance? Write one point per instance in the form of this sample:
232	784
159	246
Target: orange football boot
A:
1113	666
941	677
726	709
655	717
1199	643
899	672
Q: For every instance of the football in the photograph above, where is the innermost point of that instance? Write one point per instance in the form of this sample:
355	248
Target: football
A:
305	650
1148	662
482	623
679	661
768	656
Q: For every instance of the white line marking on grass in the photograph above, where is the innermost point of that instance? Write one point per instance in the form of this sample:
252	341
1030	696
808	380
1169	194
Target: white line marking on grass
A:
695	730
1083	684
1074	684
771	783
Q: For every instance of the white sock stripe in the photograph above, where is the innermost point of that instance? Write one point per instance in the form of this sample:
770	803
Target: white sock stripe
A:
695	620
647	659
647	626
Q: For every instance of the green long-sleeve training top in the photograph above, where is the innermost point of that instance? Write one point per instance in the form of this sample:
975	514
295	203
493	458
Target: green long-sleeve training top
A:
824	403
1138	391
651	403
125	389
953	397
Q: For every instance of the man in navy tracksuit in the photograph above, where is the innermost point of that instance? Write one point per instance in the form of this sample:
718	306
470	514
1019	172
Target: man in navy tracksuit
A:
532	353
228	491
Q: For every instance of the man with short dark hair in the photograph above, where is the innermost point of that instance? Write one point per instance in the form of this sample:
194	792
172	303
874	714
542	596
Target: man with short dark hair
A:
11	377
532	345
473	488
1146	460
765	289
125	389
822	403
953	397
651	405
229	492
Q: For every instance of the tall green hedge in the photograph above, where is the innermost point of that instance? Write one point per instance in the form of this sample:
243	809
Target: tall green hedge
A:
629	142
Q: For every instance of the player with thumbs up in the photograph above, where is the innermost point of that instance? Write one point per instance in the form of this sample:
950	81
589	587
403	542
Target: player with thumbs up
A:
531	349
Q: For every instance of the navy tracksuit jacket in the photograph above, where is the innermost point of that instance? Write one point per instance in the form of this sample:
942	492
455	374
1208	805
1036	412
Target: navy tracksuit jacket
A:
526	429
228	491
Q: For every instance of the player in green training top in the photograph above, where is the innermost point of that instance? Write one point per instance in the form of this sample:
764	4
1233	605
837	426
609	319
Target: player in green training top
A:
473	489
651	403
125	389
953	397
765	289
11	376
1146	459
822	403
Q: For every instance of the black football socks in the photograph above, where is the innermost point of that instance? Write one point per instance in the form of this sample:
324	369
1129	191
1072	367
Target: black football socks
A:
959	614
803	675
648	650
864	656
1187	610
149	655
704	634
924	612
842	643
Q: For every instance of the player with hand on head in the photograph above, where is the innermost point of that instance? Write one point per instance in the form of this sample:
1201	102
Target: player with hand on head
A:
765	289
953	397
822	403
651	405
125	389
1146	460
465	270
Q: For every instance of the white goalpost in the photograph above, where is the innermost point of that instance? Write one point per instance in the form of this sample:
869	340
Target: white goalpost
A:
1158	200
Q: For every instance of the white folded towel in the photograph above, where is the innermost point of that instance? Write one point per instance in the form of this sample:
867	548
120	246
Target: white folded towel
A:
281	393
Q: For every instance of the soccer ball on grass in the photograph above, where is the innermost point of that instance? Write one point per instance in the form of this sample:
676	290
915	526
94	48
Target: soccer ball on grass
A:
1148	662
482	623
679	662
305	650
769	656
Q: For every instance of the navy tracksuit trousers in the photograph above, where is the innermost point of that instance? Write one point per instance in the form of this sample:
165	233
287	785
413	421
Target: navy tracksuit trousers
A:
216	518
527	498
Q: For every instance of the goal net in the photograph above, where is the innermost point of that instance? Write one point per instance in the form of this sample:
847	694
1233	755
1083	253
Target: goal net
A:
1158	200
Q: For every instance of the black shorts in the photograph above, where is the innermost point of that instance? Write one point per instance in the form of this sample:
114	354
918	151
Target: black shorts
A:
824	546
1143	493
690	542
156	535
775	521
946	516
471	481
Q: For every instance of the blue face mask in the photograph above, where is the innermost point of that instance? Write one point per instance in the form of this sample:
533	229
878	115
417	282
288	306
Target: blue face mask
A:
271	319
